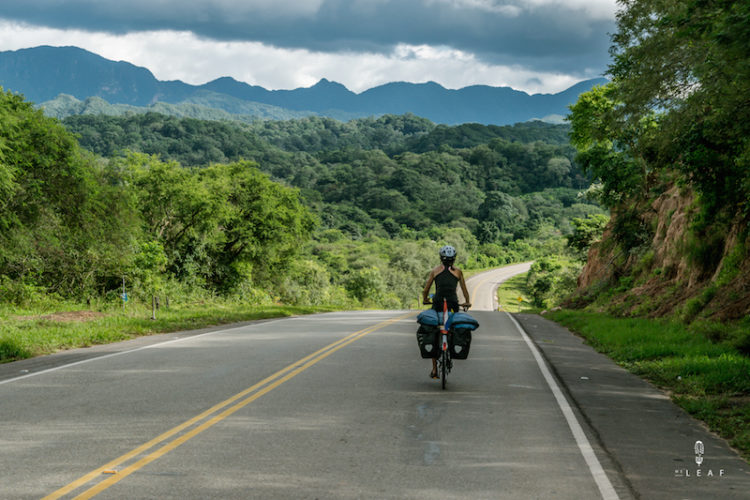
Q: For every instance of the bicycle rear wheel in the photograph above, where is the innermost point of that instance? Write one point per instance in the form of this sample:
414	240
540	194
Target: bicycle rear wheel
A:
443	366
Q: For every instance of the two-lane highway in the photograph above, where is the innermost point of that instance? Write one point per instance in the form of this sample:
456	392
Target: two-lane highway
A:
340	405
330	406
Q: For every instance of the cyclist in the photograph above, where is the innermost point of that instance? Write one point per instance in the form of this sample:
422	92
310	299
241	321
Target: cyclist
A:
446	277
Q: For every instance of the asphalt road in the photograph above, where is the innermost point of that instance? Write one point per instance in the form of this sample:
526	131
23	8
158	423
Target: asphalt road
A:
335	405
482	286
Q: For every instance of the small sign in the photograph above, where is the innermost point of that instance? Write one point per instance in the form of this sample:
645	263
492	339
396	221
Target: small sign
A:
520	299
124	297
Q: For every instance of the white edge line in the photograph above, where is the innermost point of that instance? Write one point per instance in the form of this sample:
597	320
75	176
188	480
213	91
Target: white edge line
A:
600	477
112	355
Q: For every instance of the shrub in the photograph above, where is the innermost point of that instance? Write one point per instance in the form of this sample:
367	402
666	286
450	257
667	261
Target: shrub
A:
586	232
11	349
550	280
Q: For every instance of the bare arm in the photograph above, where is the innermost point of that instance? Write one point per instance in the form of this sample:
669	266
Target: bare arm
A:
464	290
426	291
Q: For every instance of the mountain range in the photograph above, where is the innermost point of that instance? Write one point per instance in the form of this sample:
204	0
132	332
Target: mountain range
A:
64	79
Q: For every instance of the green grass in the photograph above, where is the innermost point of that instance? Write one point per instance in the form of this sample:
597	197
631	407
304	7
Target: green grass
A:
509	293
710	380
25	338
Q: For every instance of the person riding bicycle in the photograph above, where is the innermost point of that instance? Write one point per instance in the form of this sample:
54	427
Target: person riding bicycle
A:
446	278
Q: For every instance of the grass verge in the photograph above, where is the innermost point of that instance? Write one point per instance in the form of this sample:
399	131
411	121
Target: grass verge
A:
711	381
513	297
36	334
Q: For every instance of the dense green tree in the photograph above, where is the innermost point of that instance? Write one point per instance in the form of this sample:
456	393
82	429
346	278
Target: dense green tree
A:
181	205
687	60
676	115
262	228
366	186
149	265
502	211
175	205
218	225
616	153
586	231
64	226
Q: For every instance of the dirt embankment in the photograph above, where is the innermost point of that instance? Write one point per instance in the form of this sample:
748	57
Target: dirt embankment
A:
675	270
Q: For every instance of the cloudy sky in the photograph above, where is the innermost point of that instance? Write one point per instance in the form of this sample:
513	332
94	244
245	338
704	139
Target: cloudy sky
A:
530	45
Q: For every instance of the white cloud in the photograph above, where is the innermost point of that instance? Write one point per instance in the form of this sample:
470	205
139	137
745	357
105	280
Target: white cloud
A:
181	55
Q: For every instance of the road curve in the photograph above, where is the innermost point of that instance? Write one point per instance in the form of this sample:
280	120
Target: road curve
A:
482	287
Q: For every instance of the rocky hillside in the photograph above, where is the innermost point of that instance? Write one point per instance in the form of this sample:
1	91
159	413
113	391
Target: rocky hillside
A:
671	270
667	143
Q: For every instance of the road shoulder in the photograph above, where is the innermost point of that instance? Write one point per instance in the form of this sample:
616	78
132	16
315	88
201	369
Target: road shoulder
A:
650	439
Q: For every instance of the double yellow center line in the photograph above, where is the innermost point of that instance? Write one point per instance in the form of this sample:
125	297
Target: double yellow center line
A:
118	469
478	286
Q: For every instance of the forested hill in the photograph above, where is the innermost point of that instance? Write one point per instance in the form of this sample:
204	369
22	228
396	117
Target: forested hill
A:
44	73
383	174
393	134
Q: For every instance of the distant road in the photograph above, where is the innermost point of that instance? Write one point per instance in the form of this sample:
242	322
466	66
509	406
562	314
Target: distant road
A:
483	286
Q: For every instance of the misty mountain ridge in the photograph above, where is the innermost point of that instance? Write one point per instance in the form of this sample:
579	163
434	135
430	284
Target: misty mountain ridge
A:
43	73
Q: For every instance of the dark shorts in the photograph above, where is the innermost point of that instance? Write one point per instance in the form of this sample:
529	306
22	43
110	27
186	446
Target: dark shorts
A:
437	305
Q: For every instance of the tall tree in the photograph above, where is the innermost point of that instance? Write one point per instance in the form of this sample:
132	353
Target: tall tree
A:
64	227
261	228
688	61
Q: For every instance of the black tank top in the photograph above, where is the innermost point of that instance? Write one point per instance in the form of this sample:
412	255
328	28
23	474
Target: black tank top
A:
445	288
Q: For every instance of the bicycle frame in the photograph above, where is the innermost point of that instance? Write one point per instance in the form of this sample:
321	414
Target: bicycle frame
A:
445	355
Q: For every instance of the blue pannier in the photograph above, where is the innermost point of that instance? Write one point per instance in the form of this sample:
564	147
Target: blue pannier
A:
463	320
428	317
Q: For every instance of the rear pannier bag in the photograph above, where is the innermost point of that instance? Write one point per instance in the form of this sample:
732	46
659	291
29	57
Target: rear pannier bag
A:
428	339
460	343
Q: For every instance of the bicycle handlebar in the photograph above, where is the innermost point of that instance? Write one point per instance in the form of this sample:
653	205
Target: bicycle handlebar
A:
465	307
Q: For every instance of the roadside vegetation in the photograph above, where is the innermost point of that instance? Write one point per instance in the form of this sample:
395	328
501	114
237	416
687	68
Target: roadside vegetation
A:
29	333
513	296
666	142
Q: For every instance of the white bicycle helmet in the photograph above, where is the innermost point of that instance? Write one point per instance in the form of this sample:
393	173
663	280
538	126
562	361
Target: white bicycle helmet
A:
447	252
